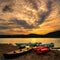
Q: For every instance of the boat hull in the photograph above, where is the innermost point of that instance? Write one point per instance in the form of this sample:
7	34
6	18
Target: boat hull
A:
9	56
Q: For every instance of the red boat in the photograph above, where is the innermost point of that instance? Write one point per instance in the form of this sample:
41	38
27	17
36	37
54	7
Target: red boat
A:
41	49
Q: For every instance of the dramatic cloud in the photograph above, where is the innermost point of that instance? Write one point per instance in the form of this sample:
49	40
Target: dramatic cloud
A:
22	23
29	16
44	15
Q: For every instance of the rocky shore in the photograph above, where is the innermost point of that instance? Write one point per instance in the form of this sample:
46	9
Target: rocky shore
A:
52	55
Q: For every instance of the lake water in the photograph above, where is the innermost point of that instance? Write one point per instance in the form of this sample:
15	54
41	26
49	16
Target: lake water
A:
56	41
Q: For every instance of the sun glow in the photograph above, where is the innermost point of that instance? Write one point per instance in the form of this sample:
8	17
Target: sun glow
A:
33	40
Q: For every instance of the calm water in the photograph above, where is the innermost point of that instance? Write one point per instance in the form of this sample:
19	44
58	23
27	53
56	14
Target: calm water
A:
56	41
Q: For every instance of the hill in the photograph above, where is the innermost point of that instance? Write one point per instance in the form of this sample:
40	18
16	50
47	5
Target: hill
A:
55	34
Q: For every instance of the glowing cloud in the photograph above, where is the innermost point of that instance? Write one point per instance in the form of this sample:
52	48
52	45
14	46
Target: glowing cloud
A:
29	16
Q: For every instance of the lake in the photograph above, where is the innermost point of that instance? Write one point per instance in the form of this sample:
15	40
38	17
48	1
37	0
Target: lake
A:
56	41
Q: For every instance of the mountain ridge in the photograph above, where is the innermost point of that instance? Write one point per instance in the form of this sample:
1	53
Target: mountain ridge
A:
55	34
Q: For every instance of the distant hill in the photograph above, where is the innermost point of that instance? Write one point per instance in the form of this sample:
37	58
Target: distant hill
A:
55	34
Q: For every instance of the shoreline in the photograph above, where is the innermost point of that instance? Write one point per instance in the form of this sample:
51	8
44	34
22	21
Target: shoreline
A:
52	55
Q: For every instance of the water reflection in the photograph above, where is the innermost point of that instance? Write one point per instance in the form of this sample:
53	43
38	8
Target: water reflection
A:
56	41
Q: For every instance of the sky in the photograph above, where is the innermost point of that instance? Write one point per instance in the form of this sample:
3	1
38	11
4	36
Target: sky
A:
29	16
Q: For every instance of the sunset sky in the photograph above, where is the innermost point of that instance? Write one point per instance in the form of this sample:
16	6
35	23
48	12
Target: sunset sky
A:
29	16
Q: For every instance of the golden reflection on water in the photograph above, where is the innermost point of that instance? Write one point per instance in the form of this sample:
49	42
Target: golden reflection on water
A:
33	40
56	41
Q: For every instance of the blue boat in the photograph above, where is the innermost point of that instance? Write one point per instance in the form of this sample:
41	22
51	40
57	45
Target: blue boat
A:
22	45
47	45
29	44
50	45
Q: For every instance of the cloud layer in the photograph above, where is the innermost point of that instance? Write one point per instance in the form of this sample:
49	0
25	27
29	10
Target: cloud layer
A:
29	16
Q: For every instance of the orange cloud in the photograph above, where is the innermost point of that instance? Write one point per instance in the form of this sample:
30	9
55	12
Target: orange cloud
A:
38	17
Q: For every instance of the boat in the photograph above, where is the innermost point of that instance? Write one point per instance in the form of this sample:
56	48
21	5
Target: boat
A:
41	49
22	45
40	44
47	45
17	53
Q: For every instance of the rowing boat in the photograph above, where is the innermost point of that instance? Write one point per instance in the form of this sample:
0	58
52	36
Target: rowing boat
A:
17	53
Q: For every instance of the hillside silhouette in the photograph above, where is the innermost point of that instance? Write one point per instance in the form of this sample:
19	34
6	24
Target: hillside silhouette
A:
55	34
